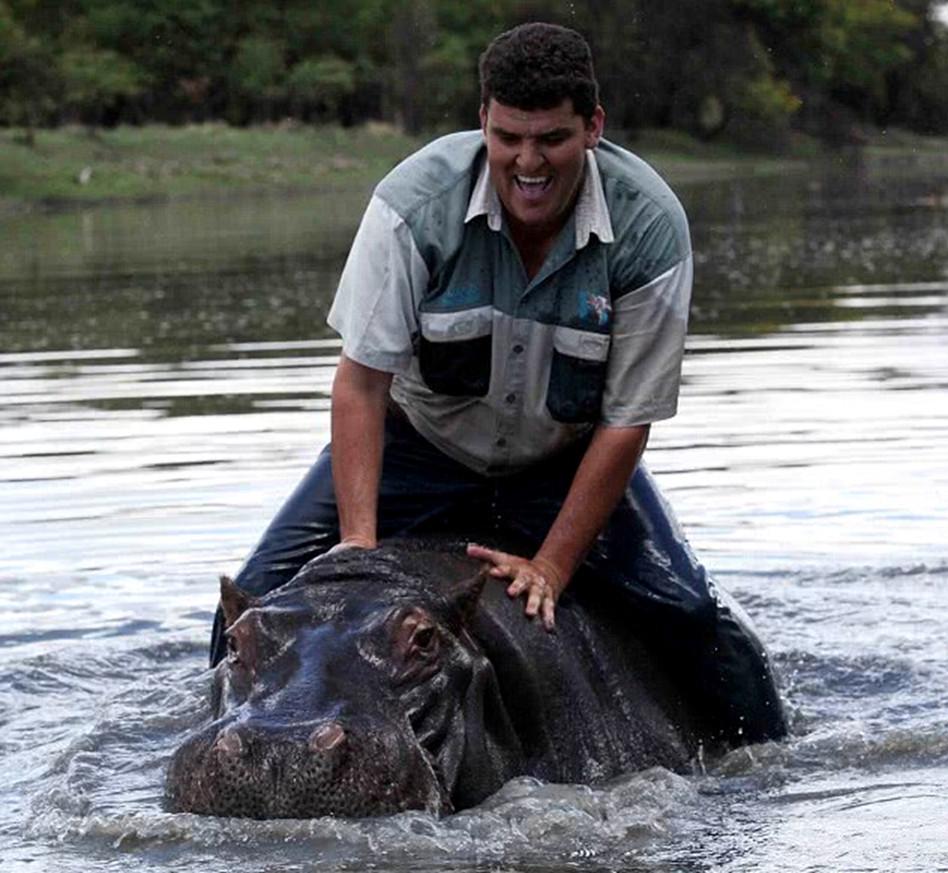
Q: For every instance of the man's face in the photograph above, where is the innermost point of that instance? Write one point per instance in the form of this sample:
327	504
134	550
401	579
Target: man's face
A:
537	158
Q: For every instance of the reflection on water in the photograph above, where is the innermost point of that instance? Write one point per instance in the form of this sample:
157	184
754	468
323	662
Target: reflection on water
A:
164	380
184	236
820	441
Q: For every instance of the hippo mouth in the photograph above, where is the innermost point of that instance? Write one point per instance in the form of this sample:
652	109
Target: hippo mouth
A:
241	771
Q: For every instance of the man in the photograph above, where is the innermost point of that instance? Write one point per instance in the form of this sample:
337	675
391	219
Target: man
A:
513	314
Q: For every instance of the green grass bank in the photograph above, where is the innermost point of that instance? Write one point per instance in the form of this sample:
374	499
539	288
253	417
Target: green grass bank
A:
72	166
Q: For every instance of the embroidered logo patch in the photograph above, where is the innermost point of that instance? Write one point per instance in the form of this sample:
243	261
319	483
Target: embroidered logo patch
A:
594	307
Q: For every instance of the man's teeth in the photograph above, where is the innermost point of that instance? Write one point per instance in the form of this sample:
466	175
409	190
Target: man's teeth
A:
532	180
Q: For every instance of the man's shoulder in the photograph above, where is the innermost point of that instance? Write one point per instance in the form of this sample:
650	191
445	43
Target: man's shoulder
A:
624	167
635	192
443	167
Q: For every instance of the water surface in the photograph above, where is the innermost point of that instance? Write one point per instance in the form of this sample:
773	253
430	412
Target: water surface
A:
164	378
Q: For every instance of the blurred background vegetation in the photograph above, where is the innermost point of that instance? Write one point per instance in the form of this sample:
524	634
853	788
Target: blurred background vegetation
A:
752	72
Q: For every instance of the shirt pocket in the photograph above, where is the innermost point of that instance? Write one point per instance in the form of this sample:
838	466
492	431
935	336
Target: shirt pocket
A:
577	375
454	351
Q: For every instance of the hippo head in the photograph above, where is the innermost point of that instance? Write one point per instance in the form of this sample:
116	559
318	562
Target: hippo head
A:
354	690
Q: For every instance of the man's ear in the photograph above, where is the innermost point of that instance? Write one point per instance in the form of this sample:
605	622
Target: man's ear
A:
594	127
483	117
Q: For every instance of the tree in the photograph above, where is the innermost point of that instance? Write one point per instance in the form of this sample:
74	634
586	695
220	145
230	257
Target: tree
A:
96	80
30	83
257	78
171	44
917	92
749	68
318	87
834	53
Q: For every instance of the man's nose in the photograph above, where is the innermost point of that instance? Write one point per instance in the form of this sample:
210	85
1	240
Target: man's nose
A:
530	157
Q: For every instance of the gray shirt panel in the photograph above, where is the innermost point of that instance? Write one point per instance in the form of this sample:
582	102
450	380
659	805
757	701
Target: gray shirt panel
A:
435	292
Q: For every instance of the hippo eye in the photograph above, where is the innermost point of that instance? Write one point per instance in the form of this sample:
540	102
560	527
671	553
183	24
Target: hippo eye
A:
417	639
424	638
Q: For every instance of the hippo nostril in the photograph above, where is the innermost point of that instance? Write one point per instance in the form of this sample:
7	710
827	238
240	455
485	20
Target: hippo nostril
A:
228	742
327	736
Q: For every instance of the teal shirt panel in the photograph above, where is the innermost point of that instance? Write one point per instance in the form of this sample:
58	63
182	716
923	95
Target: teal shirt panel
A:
431	191
506	370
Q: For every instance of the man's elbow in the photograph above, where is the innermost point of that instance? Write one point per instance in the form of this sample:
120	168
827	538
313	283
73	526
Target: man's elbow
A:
355	383
633	434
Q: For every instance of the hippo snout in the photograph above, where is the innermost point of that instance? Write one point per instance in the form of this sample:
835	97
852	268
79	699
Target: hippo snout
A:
251	769
233	742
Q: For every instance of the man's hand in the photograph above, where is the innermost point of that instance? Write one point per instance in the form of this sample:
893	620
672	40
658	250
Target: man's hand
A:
597	486
350	543
537	577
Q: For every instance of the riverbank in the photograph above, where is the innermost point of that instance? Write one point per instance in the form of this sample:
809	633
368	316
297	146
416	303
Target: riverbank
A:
71	167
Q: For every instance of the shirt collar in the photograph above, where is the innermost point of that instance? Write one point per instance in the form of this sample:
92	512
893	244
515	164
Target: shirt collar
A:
592	213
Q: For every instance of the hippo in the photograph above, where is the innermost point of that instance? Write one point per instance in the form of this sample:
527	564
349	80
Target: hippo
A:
404	677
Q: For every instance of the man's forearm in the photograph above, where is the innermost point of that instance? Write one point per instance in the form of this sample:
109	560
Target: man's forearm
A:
600	481
359	397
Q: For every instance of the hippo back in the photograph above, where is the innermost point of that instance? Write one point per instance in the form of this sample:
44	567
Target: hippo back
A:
588	700
405	677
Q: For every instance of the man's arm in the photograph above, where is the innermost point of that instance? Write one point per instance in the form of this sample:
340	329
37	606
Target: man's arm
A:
359	398
600	481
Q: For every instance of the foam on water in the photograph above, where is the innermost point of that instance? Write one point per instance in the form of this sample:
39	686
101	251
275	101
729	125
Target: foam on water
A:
105	782
93	781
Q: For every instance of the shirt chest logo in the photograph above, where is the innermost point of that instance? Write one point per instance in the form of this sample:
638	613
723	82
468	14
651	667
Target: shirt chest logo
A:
594	308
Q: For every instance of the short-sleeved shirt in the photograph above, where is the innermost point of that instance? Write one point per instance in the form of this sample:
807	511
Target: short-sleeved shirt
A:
497	369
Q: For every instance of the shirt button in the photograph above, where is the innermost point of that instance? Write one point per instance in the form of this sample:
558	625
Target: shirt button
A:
510	398
501	443
517	349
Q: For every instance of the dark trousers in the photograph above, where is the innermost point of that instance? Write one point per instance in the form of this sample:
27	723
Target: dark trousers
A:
702	634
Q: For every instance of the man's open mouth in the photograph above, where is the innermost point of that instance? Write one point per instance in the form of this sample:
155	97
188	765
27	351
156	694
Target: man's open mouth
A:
533	184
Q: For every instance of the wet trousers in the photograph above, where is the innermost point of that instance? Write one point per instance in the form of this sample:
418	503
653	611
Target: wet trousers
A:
698	630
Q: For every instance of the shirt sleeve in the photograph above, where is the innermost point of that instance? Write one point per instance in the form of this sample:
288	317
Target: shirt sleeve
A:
376	303
648	340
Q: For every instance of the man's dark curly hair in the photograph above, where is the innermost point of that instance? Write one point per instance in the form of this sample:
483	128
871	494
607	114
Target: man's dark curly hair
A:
537	66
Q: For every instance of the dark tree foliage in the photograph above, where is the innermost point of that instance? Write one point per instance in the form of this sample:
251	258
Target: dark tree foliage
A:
752	69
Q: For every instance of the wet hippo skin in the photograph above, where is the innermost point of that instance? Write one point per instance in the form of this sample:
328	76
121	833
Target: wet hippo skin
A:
406	678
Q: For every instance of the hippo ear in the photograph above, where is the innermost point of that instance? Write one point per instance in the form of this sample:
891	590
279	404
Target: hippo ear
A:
234	600
465	595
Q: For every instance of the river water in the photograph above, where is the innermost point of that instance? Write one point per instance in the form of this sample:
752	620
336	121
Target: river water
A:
164	377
